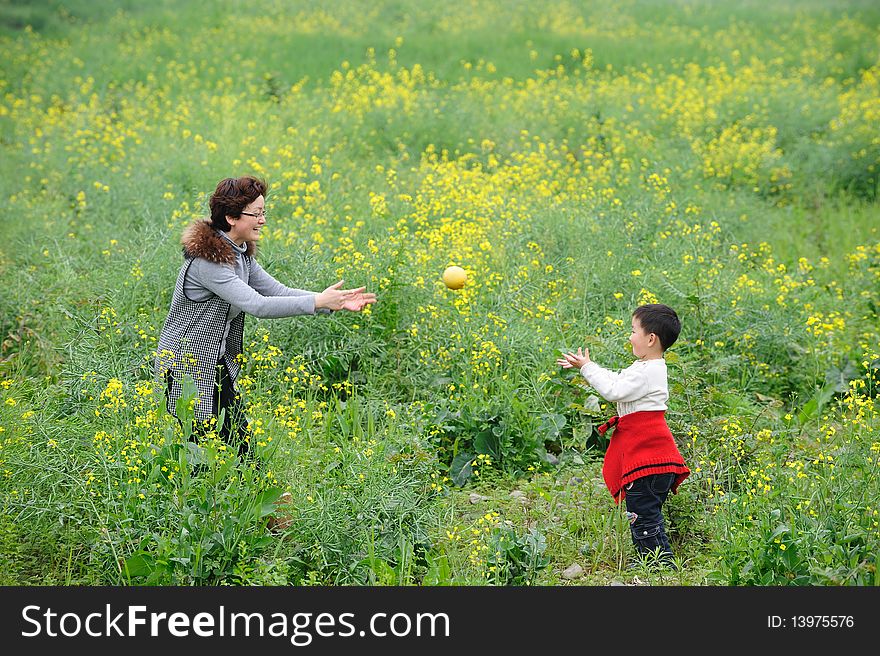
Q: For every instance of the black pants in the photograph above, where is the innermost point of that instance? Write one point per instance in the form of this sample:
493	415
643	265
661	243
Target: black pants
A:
233	430
644	500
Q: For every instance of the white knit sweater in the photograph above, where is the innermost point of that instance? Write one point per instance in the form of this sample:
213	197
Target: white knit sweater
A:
641	386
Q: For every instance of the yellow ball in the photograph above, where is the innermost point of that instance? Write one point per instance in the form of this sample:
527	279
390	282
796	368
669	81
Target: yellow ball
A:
454	277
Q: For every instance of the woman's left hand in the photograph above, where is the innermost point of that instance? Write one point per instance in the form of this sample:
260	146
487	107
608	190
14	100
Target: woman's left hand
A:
353	300
358	300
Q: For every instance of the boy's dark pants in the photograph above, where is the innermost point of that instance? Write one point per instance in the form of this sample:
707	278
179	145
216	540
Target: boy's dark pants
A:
644	498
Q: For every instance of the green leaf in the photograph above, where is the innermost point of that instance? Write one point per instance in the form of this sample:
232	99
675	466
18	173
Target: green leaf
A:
840	378
384	573
460	470
440	381
836	382
552	424
591	404
220	473
853	537
790	557
185	413
488	442
265	503
140	564
808	411
782	528
439	572
195	454
814	406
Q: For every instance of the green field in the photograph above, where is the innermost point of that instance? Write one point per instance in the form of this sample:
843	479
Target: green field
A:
577	159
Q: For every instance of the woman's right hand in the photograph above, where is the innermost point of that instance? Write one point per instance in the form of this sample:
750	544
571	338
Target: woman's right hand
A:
334	298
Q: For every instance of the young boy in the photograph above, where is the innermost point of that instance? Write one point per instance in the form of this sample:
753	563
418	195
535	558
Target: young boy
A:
642	463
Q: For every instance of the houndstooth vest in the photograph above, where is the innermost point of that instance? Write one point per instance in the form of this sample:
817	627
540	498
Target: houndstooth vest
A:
190	345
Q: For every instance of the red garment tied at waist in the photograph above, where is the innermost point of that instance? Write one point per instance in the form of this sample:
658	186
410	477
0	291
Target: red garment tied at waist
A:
641	445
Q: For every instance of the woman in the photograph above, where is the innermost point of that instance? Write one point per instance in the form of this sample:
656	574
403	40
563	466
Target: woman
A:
220	281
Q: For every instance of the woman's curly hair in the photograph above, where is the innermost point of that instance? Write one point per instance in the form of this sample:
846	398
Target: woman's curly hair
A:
231	196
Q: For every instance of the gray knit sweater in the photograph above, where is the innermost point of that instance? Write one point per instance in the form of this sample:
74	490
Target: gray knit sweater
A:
257	294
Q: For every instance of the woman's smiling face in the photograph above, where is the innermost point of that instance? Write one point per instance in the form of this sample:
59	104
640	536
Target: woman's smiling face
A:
247	227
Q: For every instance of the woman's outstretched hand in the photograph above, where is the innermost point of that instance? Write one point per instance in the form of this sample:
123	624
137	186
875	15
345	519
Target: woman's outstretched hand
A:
353	300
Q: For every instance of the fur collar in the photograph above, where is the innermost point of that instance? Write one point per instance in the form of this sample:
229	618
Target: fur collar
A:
200	239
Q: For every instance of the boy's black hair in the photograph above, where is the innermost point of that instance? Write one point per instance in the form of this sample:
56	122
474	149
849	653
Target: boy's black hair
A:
661	320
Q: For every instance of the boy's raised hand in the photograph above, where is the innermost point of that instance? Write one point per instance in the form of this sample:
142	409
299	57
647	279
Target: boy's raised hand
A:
571	360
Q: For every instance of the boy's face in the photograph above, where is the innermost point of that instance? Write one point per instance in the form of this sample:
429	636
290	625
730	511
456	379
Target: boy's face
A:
641	341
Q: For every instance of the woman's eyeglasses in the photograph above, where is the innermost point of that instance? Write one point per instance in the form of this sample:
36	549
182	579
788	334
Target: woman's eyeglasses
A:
262	213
